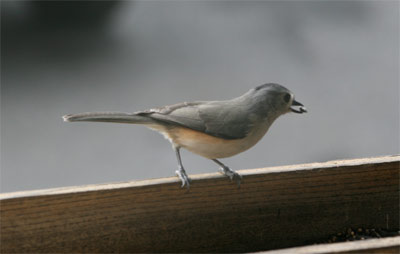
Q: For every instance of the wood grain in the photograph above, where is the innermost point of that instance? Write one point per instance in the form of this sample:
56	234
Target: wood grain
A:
274	208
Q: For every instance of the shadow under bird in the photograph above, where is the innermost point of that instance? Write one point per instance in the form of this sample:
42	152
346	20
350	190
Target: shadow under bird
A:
212	129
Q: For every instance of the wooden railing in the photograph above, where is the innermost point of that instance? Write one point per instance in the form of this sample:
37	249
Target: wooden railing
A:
274	208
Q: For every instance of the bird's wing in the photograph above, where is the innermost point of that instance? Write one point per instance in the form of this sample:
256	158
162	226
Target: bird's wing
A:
217	118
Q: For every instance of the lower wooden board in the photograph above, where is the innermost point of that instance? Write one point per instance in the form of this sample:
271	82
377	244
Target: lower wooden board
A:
370	246
274	208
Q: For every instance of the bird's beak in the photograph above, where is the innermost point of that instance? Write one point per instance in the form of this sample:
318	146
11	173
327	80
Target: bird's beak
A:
301	109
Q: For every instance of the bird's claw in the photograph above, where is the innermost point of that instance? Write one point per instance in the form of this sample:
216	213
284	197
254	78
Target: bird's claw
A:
232	175
181	173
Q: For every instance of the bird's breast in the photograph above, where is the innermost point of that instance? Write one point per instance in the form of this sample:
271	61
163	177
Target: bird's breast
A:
213	147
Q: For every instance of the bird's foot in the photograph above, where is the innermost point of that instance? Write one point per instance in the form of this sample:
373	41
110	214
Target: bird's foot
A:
181	173
231	174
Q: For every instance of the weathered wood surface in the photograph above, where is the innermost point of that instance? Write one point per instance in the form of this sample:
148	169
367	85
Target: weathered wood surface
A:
381	246
274	208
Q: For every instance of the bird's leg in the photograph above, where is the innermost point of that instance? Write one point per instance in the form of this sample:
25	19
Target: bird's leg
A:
181	173
229	172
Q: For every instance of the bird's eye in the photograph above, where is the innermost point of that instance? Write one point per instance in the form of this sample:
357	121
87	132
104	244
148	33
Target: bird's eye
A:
286	98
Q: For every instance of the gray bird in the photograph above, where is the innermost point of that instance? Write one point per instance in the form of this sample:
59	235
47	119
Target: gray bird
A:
212	129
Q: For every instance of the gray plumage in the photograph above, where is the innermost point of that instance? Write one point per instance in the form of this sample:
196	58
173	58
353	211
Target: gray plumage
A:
228	119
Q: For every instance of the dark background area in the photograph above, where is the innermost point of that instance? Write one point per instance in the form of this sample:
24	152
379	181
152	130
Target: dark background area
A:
340	58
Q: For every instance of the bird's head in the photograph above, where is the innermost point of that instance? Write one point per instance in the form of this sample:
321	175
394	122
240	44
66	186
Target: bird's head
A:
274	99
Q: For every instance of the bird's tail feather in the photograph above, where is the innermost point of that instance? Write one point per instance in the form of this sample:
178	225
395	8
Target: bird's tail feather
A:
112	117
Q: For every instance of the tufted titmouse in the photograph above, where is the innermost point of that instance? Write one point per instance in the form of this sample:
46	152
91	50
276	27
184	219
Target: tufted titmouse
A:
212	129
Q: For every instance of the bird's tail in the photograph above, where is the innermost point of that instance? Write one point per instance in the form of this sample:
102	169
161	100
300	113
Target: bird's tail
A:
111	117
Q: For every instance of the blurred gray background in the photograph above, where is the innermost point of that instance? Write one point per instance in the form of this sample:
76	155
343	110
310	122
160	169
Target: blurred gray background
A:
340	58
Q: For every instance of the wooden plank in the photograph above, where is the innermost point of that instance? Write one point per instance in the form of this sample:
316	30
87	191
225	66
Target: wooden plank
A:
274	208
382	245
